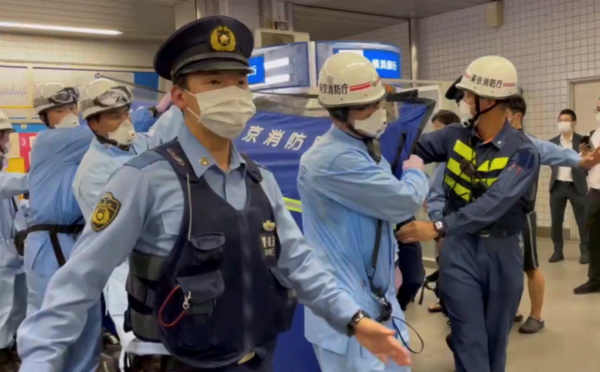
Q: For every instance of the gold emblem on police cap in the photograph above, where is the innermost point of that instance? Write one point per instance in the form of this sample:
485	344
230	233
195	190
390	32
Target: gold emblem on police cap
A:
106	210
269	226
222	39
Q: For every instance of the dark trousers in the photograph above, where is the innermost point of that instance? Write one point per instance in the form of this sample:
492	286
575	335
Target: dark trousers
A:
592	219
560	193
481	282
410	263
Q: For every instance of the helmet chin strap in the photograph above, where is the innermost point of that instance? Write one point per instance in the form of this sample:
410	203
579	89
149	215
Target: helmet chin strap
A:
478	112
106	141
373	146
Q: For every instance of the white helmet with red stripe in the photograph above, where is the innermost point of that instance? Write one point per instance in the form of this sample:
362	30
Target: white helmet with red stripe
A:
490	77
349	79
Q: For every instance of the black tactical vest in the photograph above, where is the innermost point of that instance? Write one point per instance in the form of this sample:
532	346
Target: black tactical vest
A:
219	297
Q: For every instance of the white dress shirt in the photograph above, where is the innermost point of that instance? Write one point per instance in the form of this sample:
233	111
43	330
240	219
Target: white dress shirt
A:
564	173
593	177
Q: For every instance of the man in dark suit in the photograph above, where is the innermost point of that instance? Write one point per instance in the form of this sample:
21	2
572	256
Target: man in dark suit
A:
568	184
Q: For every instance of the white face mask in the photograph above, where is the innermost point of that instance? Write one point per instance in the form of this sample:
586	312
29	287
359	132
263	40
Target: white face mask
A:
69	121
124	134
374	125
598	118
225	111
464	111
564	126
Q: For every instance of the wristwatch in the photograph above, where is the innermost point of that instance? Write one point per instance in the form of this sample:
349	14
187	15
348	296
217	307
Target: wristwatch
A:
356	318
440	227
154	111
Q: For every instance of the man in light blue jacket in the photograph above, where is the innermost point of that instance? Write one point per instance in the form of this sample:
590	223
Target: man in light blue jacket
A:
115	142
350	203
13	288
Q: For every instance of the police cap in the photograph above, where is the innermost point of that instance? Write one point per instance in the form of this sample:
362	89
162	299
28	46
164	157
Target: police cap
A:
208	44
453	93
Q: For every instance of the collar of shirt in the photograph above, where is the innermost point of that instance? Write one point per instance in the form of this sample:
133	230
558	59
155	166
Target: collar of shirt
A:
566	141
200	158
499	139
339	135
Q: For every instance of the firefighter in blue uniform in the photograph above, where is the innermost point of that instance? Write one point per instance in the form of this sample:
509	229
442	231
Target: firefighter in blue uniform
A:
215	258
490	183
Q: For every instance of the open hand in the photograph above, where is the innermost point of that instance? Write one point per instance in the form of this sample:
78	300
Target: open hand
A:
381	342
416	231
590	159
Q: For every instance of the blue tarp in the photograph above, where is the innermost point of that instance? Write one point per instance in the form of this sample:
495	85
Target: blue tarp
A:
277	141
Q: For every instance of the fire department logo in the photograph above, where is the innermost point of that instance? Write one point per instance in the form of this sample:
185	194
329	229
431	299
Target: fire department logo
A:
107	209
222	39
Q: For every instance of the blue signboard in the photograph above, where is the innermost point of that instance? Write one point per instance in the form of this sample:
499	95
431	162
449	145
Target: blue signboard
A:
385	57
257	65
386	62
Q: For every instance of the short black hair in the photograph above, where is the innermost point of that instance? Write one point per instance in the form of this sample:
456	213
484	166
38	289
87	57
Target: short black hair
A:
445	117
182	81
569	112
517	104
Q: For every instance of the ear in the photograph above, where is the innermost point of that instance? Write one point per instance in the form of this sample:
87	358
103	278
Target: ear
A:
93	124
178	97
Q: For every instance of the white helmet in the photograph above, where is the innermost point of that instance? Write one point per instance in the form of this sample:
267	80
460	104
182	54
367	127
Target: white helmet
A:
490	77
102	95
349	79
53	94
5	122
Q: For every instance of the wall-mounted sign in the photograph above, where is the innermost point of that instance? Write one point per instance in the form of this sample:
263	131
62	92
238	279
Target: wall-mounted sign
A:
386	62
385	57
257	65
281	66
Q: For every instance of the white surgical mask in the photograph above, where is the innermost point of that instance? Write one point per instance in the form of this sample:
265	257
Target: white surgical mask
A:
464	111
69	121
124	134
598	118
225	111
374	125
564	126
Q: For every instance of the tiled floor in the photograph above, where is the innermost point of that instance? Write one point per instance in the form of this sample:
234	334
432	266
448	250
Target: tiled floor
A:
569	343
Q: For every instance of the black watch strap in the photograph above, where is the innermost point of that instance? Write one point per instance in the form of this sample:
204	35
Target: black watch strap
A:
440	227
356	318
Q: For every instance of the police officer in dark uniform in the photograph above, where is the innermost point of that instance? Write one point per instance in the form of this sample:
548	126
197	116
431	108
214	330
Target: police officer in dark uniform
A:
489	182
215	258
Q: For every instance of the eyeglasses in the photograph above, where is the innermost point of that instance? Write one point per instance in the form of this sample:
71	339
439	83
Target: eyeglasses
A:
115	96
64	96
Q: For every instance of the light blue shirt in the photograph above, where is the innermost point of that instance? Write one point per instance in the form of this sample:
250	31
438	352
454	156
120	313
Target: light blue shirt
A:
97	165
551	154
344	192
436	199
149	221
167	126
142	119
55	157
12	218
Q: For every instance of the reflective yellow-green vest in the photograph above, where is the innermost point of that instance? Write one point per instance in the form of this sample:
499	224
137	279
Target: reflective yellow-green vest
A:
468	175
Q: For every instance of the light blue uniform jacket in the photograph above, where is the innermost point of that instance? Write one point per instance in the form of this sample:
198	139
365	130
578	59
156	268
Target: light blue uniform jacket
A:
344	192
13	289
167	126
149	221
